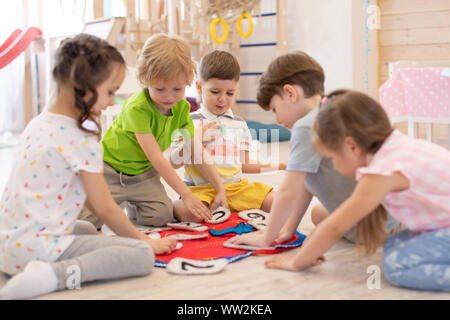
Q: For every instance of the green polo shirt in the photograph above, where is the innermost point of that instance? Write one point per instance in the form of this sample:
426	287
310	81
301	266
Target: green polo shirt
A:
122	151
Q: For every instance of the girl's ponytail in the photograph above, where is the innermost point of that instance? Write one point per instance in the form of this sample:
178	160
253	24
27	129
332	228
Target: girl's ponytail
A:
371	230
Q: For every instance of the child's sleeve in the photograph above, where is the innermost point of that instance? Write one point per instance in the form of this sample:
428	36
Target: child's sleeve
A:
83	153
385	167
246	138
136	119
188	125
186	130
302	156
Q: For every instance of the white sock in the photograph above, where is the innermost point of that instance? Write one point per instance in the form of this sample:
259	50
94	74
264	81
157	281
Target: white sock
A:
36	279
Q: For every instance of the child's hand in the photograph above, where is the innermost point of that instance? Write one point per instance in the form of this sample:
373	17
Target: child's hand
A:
282	166
162	246
196	207
284	236
287	262
220	201
255	239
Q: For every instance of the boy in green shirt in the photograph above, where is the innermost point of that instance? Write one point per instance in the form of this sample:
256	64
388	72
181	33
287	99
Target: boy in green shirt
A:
145	127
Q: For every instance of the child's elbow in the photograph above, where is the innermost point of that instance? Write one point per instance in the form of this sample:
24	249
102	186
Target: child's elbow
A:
335	230
104	211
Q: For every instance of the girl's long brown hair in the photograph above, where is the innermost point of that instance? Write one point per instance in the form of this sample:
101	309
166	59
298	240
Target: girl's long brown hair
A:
84	61
347	113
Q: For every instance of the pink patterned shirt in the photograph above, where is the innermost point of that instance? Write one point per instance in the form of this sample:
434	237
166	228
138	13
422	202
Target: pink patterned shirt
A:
425	205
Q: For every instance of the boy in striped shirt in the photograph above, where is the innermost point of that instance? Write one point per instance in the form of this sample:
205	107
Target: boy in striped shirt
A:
227	139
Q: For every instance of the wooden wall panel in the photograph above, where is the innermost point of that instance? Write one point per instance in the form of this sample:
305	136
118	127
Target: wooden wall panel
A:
401	21
401	6
414	30
415	36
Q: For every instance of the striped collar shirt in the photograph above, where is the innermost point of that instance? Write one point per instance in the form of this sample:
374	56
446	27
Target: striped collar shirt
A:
231	138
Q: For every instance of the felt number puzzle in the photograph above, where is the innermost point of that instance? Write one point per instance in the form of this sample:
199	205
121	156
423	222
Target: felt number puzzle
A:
206	243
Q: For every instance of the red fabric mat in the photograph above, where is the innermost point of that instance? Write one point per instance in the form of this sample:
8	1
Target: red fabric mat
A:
212	247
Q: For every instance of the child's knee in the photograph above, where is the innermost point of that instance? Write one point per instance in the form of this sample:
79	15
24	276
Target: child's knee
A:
87	215
84	227
147	259
266	205
393	266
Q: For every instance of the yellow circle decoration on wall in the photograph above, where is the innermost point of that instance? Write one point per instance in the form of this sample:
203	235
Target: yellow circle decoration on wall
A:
212	29
239	25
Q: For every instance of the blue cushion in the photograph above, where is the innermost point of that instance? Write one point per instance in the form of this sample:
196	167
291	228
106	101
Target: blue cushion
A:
266	135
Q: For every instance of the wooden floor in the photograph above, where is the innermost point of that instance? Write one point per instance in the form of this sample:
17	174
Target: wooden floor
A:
343	276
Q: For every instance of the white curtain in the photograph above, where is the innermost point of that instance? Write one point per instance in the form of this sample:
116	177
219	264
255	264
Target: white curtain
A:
12	75
60	18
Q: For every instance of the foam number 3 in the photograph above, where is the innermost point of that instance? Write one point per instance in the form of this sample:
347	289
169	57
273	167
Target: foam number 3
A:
189	266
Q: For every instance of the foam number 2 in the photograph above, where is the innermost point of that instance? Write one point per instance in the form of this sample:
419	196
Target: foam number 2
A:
74	280
186	265
220	215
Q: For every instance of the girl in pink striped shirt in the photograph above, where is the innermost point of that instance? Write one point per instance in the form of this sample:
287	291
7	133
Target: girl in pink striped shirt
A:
409	178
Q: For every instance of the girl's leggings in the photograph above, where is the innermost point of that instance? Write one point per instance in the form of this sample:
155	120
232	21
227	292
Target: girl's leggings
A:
418	260
98	257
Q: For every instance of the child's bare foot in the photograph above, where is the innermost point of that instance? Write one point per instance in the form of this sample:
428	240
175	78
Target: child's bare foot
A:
162	246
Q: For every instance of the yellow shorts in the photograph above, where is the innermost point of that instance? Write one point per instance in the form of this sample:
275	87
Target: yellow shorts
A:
241	195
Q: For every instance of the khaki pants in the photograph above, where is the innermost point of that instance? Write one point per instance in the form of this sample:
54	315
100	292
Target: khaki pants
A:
145	191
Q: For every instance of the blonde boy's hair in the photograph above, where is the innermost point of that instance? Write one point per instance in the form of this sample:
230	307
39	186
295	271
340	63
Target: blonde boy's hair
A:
165	57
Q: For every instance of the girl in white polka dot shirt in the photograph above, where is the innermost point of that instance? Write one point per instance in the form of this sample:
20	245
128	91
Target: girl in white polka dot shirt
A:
59	169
